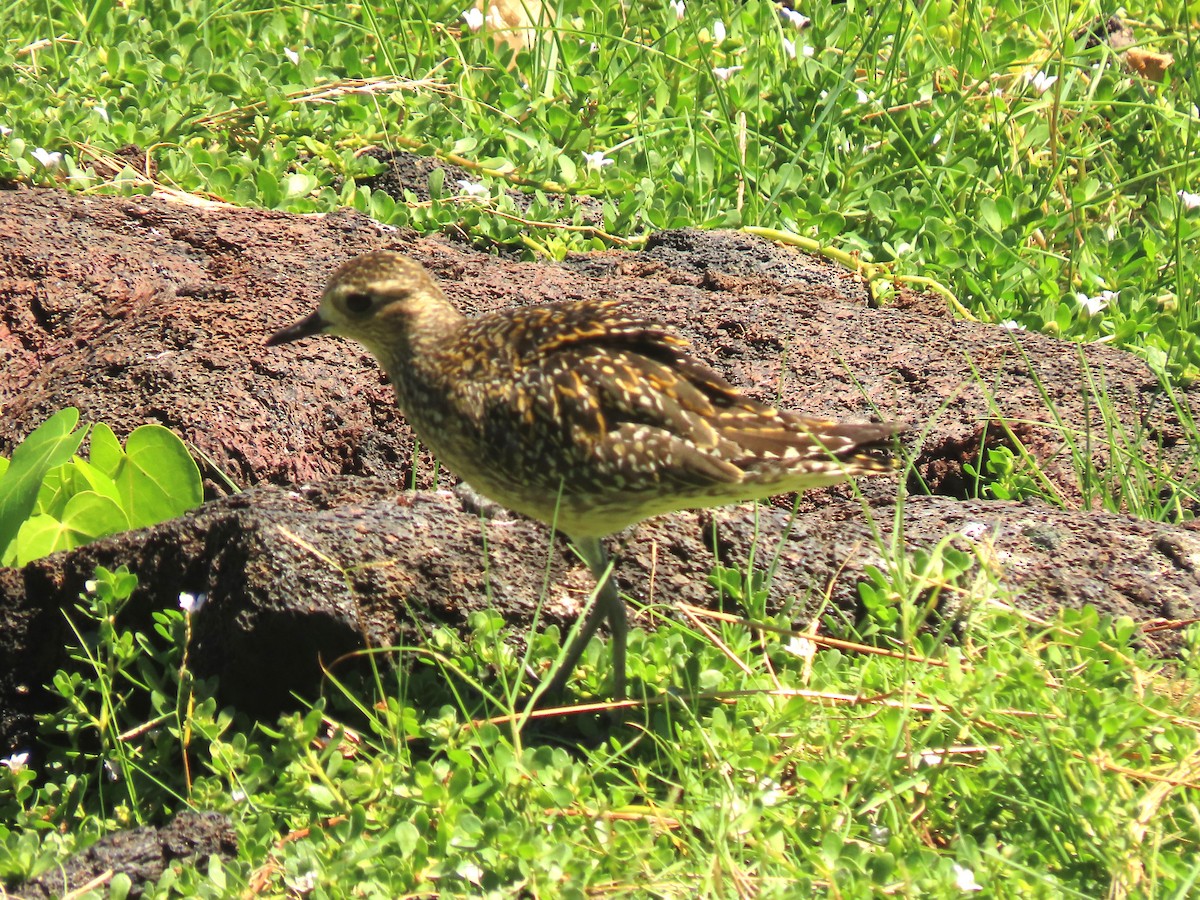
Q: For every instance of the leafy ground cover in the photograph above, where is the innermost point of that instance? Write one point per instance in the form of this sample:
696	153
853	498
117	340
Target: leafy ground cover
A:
991	146
1030	760
986	146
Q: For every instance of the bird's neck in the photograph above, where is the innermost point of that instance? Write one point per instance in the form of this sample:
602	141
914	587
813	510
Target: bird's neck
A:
411	354
431	328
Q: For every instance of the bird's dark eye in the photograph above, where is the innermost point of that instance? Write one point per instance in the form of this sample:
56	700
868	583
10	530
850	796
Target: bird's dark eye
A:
358	302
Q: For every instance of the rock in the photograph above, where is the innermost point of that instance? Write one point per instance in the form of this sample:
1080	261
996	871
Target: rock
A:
295	579
143	854
140	310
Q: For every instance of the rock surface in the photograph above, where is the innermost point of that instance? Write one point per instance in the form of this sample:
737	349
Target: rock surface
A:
143	854
139	310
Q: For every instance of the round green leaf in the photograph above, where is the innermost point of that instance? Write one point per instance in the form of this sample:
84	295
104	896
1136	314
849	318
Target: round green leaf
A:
106	453
158	479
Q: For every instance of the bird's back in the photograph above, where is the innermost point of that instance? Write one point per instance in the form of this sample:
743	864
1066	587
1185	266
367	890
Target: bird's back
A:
588	413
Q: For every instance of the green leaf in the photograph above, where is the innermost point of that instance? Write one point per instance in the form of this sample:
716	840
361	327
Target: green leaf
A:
97	10
107	454
57	488
87	477
436	181
64	482
299	184
407	837
990	215
157	479
87	516
223	84
568	169
322	796
706	163
50	445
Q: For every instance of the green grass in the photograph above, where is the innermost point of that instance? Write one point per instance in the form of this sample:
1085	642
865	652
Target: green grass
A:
911	135
1045	759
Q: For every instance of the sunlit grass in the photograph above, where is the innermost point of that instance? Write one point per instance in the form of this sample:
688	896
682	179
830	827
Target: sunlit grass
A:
980	145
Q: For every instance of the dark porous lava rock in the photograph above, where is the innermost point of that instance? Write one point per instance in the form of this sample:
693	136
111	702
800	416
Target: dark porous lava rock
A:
143	854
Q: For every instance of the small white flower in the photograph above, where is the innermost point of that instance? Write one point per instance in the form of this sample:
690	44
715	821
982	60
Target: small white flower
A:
1012	325
679	8
1190	200
793	18
473	188
801	647
48	159
937	137
862	96
718	32
964	879
932	759
808	51
772	791
1092	306
474	18
1040	80
5	131
1089	305
191	603
789	48
16	762
723	73
292	56
237	795
597	160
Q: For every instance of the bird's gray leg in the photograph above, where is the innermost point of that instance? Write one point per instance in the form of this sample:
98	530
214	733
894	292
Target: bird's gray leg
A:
608	605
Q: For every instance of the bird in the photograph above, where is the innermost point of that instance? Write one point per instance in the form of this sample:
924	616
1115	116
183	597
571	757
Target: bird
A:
585	415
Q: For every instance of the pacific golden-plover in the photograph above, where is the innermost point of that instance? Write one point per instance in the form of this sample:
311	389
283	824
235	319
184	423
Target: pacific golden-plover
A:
582	414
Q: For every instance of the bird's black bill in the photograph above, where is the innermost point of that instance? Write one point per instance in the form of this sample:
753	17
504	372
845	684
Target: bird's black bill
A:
314	324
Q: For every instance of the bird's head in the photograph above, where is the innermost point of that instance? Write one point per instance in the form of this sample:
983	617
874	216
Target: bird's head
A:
383	300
